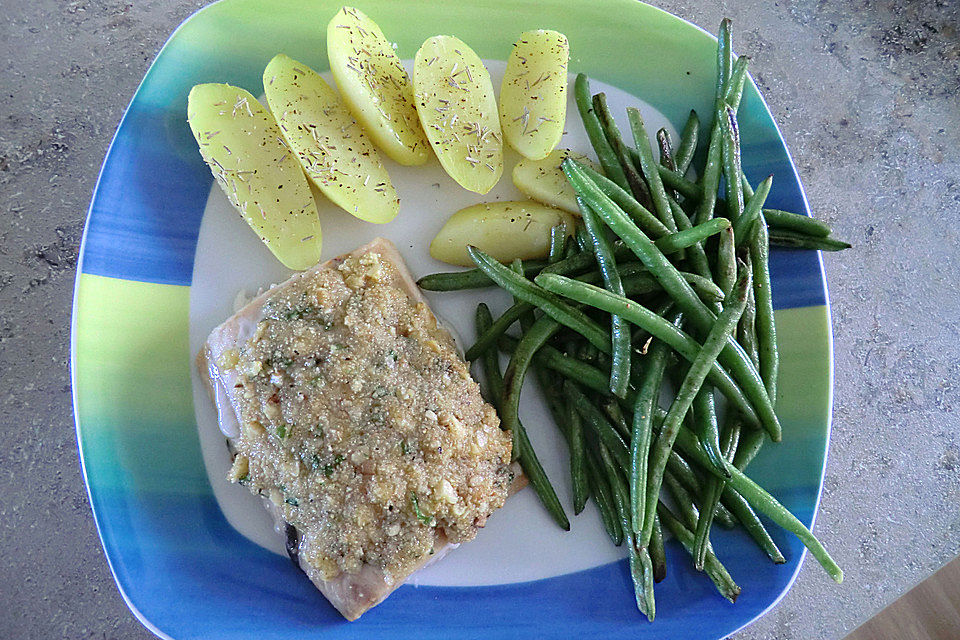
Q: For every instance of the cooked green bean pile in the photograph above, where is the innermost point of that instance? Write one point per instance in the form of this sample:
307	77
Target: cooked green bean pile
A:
667	286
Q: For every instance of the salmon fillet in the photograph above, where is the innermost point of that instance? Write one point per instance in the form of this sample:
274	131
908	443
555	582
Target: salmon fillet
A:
349	410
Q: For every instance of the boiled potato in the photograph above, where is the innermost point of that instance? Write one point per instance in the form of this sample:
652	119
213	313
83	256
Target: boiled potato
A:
458	111
241	143
544	180
375	86
504	230
335	153
533	96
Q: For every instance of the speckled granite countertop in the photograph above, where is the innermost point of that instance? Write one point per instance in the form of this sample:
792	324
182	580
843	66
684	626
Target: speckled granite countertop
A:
865	93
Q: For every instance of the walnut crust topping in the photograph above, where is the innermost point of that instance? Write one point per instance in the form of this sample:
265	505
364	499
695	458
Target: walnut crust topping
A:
360	421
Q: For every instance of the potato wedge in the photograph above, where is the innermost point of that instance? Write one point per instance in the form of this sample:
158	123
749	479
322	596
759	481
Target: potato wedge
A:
544	180
335	153
241	143
375	86
458	111
505	230
533	96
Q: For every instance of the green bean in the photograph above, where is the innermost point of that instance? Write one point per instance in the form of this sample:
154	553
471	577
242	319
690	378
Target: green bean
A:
684	502
488	338
747	331
750	444
595	357
734	89
739	363
568	366
540	482
555	402
637	285
568	421
712	566
639	243
724	58
659	307
704	287
542	330
730	131
582	262
796	240
732	355
600	490
636	281
591	355
711	500
692	382
525	452
766	323
724	517
697	257
640	214
675	180
598	424
638	187
681	469
642	431
558	244
666	149
689	237
611	408
578	472
747	189
749	447
656	325
549	303
688	143
606	155
619	330
764	502
672	179
731	436
712	169
490	363
583	239
527	317
726	261
785	221
744	224
644	575
705	421
667	160
658	194
751	523
641	565
657	555
641	570
573	264
569	265
471	278
710	182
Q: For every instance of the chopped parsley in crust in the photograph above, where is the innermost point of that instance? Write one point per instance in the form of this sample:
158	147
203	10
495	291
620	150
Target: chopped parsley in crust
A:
361	423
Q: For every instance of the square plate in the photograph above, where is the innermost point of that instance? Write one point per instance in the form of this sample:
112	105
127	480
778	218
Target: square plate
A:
182	568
